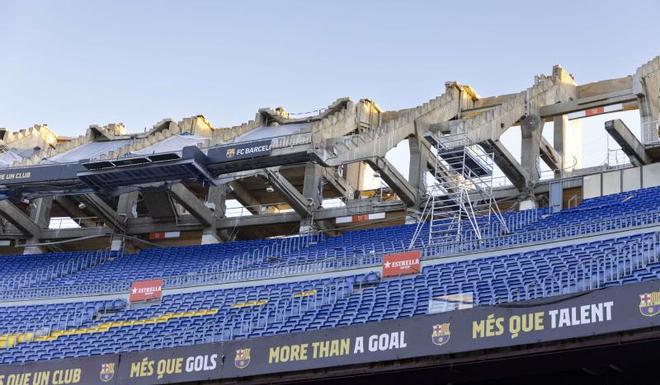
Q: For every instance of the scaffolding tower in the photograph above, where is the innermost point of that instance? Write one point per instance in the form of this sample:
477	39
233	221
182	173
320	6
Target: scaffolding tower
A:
460	205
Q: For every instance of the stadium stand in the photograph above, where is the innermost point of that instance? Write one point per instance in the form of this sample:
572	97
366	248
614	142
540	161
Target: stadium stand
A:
240	260
331	243
74	329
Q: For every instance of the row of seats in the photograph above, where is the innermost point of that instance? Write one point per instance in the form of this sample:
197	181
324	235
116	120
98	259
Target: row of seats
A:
264	254
252	311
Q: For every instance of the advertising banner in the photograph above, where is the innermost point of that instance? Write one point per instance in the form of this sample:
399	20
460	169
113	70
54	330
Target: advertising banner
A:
406	262
39	173
238	151
586	314
182	364
98	370
146	290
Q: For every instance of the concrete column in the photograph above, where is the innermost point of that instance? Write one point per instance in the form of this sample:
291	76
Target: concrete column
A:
216	201
532	129
40	210
312	190
312	186
210	236
568	142
417	166
646	85
127	205
116	243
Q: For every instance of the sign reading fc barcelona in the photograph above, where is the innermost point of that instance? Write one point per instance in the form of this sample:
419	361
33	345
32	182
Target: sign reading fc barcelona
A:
238	151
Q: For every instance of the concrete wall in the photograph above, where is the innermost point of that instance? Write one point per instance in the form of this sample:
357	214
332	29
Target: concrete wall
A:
614	182
591	186
651	175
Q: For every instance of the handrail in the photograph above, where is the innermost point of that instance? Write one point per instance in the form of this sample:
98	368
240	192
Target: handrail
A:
337	260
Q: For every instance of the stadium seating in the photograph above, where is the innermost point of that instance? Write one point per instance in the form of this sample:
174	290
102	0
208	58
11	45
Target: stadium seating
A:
81	327
245	312
344	250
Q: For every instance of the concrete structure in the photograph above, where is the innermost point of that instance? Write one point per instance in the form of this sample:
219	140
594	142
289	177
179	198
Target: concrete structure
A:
338	154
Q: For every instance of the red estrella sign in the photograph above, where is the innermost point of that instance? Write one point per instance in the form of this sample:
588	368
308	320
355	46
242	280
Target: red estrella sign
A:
146	290
406	262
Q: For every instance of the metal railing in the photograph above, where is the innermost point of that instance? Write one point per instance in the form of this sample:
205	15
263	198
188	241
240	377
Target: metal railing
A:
545	234
329	260
59	223
593	273
61	269
241	323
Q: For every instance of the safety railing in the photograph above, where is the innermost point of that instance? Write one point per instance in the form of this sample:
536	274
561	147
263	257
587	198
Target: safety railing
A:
545	234
329	260
593	273
59	223
71	265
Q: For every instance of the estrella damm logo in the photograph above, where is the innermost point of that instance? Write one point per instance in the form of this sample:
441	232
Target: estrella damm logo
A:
107	371
231	152
242	359
649	303
441	334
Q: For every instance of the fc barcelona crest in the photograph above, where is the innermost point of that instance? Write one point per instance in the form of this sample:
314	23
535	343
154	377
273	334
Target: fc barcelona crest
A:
107	372
649	303
441	334
242	359
231	152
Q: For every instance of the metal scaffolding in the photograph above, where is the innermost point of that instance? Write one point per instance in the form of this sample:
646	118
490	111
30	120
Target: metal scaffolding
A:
460	205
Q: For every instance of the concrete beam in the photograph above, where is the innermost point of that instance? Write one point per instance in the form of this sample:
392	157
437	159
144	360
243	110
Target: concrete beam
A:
395	180
69	206
297	201
19	219
340	184
431	163
630	145
60	234
146	225
550	156
105	212
245	197
507	163
192	204
616	97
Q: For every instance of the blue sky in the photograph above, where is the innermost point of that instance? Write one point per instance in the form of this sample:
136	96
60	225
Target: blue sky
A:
75	63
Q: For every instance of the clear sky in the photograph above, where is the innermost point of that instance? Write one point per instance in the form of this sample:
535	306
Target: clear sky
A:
75	63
